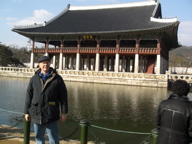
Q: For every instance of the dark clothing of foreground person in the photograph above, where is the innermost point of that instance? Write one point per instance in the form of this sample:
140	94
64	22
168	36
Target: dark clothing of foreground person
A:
46	98
174	116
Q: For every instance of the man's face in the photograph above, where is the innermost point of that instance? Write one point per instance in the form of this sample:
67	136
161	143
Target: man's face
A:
44	66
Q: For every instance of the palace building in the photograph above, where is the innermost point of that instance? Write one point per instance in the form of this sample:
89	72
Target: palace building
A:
129	37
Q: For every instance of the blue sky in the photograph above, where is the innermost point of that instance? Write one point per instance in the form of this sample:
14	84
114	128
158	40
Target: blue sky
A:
23	12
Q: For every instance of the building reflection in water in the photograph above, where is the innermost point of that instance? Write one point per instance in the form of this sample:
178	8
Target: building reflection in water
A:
113	102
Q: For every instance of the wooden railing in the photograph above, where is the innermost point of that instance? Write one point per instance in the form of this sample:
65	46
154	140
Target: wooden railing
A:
88	50
107	50
143	50
39	50
122	50
69	50
127	50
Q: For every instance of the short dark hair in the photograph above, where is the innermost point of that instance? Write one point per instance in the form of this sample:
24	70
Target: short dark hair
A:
180	87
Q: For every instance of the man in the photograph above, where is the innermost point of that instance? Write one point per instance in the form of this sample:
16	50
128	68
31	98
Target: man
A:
46	97
174	117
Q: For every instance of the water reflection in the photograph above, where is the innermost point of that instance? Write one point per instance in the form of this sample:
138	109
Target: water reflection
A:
99	102
12	93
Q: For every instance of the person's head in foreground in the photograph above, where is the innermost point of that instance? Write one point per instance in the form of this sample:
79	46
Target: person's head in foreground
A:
180	88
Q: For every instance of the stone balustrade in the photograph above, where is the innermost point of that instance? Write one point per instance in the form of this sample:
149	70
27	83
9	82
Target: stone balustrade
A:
174	77
17	69
89	73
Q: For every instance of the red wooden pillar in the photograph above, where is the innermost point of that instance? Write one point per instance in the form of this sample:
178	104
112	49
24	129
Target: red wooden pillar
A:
98	45
78	45
137	46
117	45
62	44
33	45
158	46
47	46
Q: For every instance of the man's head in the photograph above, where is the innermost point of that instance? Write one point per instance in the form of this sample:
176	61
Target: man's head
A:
44	64
180	87
43	58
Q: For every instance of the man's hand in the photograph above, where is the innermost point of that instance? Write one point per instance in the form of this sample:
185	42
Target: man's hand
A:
27	117
63	117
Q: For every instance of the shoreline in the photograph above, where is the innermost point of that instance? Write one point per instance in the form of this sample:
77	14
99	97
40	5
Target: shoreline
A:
15	135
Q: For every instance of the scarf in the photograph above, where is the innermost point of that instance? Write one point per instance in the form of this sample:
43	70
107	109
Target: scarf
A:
44	76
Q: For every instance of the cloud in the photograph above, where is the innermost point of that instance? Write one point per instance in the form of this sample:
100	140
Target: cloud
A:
111	1
39	16
115	1
11	19
17	0
185	33
81	0
103	1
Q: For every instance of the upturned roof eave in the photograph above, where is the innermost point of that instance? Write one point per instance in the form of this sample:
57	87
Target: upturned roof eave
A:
97	32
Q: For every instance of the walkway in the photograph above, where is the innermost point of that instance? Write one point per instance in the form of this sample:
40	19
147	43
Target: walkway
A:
15	136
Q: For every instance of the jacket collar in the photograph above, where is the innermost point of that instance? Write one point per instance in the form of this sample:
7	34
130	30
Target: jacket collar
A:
182	98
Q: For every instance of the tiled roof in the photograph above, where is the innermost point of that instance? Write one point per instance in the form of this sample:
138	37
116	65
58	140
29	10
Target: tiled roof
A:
110	19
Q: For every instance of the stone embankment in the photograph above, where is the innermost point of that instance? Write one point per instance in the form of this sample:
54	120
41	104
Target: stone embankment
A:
122	78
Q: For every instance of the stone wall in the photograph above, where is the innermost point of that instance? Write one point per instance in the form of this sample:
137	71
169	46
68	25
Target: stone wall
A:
116	78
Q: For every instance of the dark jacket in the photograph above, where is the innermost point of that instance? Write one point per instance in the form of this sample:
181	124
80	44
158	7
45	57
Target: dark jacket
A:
174	120
44	100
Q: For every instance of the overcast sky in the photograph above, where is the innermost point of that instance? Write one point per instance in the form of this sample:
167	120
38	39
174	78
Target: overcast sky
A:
23	12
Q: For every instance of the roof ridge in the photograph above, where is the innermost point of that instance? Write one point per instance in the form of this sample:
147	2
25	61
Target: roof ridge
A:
60	14
108	6
156	7
164	20
35	25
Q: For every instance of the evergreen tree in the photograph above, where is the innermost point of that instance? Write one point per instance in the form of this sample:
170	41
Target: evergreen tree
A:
5	55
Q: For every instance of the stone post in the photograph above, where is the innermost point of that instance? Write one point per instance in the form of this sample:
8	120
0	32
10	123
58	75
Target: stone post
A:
61	61
136	67
32	60
117	62
158	65
97	62
77	61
